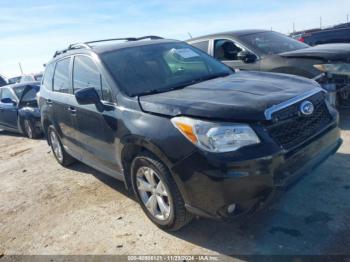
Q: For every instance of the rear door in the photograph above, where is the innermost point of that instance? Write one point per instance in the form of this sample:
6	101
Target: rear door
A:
95	131
61	102
8	111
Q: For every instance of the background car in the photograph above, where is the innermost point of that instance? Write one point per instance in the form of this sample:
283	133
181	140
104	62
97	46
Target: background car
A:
336	34
270	51
26	78
19	110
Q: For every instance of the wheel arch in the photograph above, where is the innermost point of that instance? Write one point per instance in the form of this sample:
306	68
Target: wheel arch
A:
133	145
45	122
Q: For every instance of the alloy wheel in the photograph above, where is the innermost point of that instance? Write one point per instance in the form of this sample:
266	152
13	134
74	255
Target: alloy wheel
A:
56	146
153	193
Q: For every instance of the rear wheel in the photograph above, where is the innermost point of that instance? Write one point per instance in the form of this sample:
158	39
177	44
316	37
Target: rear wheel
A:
60	154
158	194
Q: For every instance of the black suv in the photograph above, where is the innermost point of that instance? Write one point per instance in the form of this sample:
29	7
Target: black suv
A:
188	134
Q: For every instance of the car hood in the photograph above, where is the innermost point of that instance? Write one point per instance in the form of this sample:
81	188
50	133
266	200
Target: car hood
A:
241	96
328	52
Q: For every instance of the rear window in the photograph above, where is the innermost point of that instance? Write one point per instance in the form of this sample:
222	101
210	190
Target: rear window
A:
61	81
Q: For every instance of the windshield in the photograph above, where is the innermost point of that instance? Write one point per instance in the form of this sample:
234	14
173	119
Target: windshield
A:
161	67
269	43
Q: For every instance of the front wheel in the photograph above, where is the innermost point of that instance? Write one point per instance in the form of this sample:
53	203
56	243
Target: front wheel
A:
158	194
29	129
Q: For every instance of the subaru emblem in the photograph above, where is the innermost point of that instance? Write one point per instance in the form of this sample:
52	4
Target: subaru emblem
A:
307	108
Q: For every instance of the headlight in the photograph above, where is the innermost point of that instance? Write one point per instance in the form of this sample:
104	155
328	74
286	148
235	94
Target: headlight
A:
215	137
337	69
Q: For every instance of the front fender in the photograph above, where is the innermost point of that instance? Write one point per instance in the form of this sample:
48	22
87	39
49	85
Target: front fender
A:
29	112
149	145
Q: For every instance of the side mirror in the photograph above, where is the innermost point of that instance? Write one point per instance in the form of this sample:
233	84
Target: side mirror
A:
89	96
246	57
8	101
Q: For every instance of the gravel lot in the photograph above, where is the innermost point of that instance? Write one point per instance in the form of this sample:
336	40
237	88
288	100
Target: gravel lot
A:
48	209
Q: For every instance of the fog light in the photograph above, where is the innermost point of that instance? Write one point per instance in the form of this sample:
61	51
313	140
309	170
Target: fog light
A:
231	208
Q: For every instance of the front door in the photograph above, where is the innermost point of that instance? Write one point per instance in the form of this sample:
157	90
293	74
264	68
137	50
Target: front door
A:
95	131
8	110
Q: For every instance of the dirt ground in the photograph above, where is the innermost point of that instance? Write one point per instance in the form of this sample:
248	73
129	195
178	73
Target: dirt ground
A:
48	209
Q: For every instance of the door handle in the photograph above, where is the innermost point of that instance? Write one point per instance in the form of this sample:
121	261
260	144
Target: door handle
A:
49	101
72	110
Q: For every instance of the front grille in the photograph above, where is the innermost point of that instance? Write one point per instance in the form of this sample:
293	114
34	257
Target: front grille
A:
298	128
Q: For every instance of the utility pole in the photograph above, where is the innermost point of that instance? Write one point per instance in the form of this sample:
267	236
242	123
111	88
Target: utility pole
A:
347	18
20	67
293	27
321	22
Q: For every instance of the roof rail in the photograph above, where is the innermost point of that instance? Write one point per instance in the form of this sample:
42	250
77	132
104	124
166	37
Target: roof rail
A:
87	44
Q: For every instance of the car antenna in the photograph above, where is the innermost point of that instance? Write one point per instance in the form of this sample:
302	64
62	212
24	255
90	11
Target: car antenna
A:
189	34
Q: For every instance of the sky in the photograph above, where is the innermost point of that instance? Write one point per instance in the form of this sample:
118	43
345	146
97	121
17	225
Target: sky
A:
31	31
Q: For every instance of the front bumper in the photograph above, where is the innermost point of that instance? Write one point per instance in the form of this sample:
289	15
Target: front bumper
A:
209	185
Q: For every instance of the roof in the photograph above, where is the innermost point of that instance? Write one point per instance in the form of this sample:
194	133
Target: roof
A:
107	45
103	48
231	33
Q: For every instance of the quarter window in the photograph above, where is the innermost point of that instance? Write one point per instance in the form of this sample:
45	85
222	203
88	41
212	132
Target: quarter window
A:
86	74
202	45
61	78
48	76
226	50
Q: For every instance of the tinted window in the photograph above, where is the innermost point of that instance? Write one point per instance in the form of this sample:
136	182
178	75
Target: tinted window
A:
86	74
226	50
161	67
202	45
48	76
61	81
6	93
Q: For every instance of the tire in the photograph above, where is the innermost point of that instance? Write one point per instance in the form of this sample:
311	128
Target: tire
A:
29	129
58	151
163	192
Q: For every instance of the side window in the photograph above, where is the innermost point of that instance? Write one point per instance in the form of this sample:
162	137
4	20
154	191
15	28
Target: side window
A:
86	74
48	76
226	50
61	81
6	93
202	45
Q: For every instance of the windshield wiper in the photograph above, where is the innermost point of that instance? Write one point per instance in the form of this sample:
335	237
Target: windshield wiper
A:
198	80
182	85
